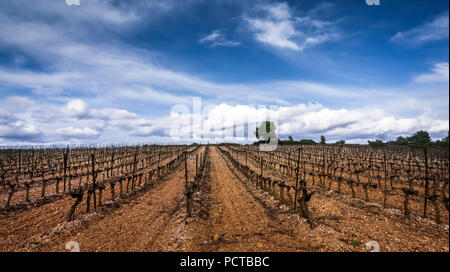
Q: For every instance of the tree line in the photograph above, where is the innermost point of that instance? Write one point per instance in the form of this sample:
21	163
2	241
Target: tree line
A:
420	138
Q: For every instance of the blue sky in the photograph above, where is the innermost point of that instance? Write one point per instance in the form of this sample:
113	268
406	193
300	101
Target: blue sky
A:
113	71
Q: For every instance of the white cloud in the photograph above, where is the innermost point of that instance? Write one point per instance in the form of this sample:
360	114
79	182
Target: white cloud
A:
116	74
435	30
6	117
279	28
301	121
17	103
279	11
277	34
112	114
211	37
77	122
20	131
79	133
92	11
217	38
40	83
141	93
76	107
439	74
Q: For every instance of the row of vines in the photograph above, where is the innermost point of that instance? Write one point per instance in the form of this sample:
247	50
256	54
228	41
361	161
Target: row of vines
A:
36	177
414	181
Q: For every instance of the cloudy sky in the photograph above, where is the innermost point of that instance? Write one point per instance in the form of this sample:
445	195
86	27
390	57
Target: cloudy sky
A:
130	71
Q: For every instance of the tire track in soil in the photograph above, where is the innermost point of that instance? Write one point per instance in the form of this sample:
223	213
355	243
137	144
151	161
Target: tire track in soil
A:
237	221
142	224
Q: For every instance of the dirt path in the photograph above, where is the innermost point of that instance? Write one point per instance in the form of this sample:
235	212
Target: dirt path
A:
237	221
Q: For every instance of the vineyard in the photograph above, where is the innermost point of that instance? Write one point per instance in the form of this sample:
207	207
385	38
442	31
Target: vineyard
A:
391	178
224	198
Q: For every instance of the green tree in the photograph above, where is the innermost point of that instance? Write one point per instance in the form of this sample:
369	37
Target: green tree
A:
401	141
340	142
376	143
445	139
322	139
290	138
442	143
420	139
306	142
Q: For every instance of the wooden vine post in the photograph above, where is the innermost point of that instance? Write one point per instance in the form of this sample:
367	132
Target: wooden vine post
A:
196	164
323	166
19	163
134	171
246	147
65	166
185	168
112	164
188	210
297	179
159	160
385	179
261	166
426	183
93	180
